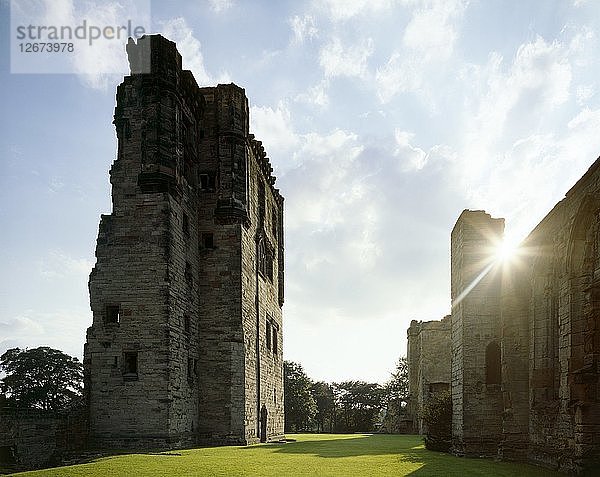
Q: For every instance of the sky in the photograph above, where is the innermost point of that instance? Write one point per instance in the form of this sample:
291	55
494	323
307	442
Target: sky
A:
383	120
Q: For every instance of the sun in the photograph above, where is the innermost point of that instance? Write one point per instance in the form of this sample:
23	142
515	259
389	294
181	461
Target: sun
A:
506	251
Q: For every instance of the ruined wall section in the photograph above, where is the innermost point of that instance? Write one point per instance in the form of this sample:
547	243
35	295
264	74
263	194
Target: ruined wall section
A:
127	358
564	310
180	123
139	356
475	292
429	356
262	270
516	289
413	359
33	438
222	213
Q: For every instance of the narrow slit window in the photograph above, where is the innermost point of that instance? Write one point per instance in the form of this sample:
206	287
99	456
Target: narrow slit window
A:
186	225
268	335
274	222
191	370
187	325
262	257
208	240
261	201
269	265
188	273
275	340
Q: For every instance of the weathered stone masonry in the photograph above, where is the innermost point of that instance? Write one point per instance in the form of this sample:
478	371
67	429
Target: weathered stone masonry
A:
186	341
428	365
526	336
475	334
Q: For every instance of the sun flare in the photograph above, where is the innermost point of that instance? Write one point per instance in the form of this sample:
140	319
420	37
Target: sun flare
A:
506	251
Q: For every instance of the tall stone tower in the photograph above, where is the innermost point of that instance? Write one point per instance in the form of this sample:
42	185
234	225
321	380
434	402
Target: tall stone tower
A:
186	341
476	334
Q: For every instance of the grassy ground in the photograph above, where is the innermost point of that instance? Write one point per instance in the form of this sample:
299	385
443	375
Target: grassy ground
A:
310	454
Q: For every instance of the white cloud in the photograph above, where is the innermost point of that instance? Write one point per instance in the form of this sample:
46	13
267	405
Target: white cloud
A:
432	29
427	45
316	95
273	127
219	6
584	93
509	100
400	74
190	48
304	28
337	59
340	10
324	161
585	119
583	46
55	184
102	63
519	154
58	264
31	329
414	158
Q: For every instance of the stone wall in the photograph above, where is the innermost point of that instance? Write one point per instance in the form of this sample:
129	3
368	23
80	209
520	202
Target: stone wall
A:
176	353
32	439
475	294
538	316
563	258
262	298
428	357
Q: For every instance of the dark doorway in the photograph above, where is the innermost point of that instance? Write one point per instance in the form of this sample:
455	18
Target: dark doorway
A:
7	458
263	423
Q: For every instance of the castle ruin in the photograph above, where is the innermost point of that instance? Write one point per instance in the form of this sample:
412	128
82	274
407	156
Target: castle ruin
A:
186	341
525	337
428	360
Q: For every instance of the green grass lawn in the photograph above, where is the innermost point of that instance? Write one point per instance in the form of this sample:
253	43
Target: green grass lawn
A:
310	454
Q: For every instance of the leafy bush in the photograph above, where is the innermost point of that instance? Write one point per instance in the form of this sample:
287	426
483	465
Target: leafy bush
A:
437	414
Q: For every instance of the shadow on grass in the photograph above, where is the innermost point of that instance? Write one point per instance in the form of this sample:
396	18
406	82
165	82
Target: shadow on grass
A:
409	449
353	446
93	456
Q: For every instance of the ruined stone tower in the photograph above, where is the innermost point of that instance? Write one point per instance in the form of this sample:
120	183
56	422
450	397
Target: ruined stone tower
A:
186	340
429	357
476	331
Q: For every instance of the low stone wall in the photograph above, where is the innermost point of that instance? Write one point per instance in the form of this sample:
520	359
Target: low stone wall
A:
32	439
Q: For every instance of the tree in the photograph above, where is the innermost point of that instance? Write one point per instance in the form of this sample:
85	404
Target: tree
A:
300	406
359	404
324	397
397	391
40	378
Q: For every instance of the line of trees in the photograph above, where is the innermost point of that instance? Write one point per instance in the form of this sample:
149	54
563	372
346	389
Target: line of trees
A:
349	406
40	378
